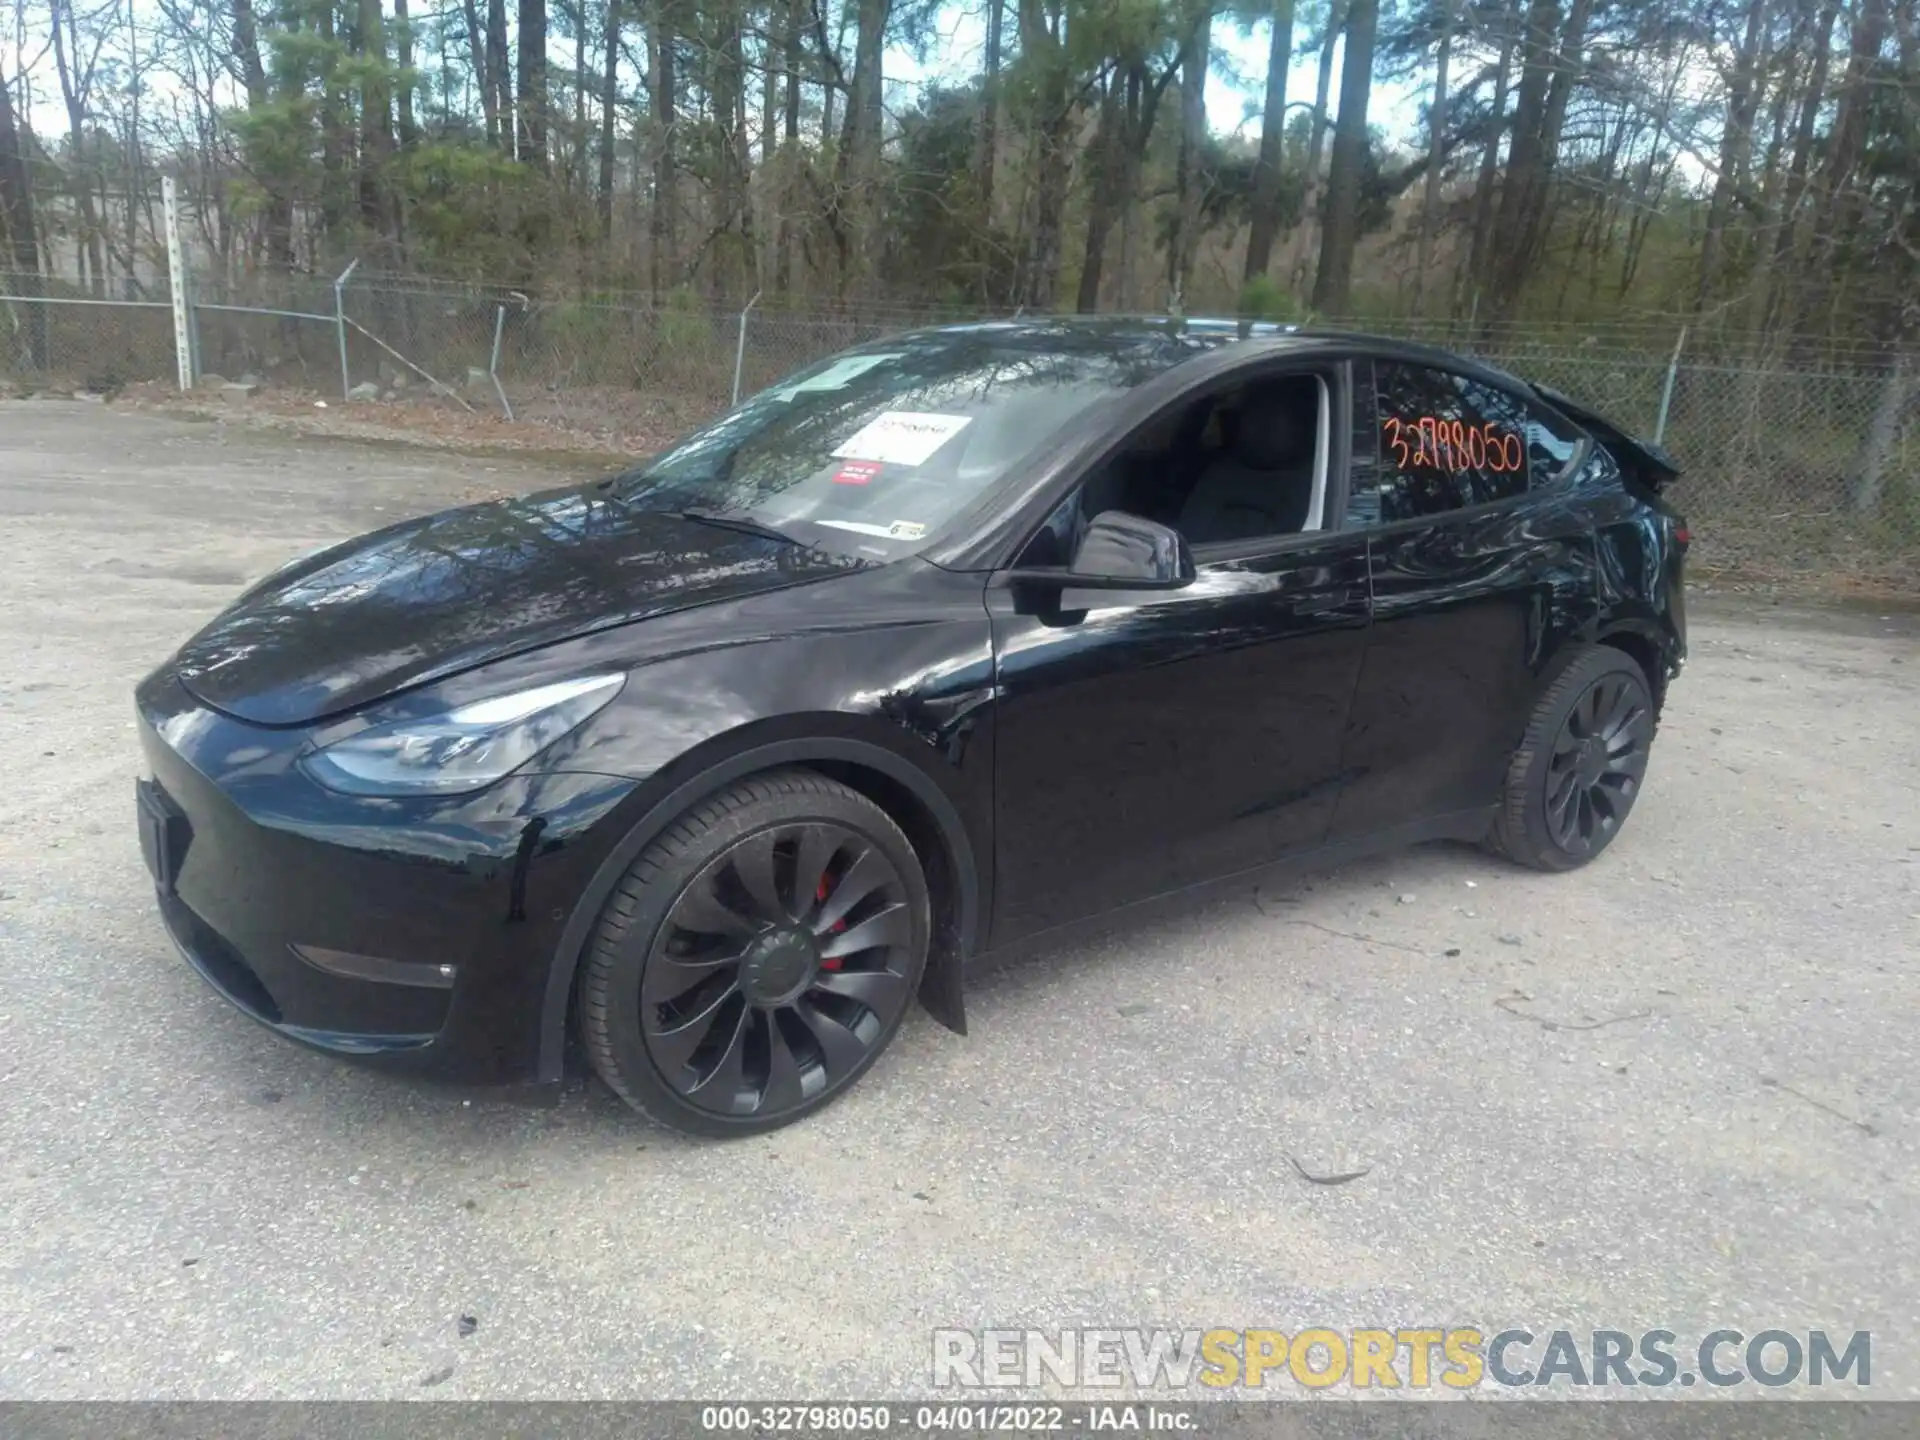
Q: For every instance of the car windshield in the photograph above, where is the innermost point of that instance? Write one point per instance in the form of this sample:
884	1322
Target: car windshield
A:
870	453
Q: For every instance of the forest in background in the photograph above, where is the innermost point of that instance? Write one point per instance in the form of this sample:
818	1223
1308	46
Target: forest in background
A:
1751	167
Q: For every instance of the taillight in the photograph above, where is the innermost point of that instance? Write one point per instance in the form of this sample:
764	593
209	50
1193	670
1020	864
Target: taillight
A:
1682	535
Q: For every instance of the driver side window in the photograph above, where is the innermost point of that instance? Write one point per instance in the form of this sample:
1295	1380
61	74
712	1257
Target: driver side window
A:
1244	463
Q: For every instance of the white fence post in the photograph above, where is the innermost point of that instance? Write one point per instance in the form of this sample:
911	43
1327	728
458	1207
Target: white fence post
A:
177	283
493	359
340	324
1666	392
740	346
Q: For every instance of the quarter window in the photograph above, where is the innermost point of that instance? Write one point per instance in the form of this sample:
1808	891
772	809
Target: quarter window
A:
1446	442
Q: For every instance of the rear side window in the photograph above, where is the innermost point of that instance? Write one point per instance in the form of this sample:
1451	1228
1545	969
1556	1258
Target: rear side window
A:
1446	442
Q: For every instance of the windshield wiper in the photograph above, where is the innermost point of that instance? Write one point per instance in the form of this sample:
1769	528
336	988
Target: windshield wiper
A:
737	522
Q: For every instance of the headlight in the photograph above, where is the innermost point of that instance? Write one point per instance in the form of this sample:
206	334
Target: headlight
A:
464	749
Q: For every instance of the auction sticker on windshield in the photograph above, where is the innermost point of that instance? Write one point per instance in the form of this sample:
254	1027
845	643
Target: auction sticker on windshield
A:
859	527
901	437
898	530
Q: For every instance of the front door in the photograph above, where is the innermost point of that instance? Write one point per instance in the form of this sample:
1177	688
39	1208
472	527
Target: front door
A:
1153	740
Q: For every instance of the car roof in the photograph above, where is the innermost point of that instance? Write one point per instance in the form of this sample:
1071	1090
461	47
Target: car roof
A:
1209	334
1116	332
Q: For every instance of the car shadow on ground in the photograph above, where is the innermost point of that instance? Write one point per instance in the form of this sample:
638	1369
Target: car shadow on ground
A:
391	1116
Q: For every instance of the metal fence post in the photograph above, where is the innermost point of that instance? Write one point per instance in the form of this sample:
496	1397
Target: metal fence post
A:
493	360
198	353
740	346
340	323
177	283
1666	393
1866	486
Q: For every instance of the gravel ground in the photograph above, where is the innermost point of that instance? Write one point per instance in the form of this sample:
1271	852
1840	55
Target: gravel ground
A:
1676	1089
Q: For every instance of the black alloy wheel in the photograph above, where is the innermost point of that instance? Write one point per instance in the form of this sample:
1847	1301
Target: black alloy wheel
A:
1580	767
779	967
1598	762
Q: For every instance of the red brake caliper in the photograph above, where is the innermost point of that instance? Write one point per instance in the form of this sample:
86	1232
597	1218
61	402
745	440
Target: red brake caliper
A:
820	896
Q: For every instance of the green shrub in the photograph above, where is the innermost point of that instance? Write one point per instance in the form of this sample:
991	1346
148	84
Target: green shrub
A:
1263	298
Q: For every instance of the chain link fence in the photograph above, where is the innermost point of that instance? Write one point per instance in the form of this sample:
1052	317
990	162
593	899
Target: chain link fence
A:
60	333
600	356
282	333
1806	468
1786	472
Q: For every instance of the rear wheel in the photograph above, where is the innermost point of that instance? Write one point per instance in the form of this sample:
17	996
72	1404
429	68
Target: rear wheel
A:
1578	771
757	957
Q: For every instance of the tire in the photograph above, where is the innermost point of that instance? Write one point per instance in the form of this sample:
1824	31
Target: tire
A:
725	991
1580	765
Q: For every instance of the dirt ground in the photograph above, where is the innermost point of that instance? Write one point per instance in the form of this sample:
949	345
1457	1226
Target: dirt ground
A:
587	425
1675	1089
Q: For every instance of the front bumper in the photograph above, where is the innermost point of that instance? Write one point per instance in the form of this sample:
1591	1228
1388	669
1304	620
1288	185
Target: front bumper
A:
416	935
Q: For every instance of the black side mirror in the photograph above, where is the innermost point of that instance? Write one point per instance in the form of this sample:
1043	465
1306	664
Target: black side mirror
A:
1124	552
1121	552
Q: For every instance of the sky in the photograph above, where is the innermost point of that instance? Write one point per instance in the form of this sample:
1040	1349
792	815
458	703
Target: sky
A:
1236	85
1235	88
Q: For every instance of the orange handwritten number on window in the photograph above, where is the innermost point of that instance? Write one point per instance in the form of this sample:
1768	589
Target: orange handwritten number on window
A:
1448	444
1496	452
1396	440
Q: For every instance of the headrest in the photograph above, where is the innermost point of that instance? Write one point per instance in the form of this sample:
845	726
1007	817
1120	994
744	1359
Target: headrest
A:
1276	428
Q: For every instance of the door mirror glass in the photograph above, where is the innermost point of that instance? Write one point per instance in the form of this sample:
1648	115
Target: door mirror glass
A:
1119	549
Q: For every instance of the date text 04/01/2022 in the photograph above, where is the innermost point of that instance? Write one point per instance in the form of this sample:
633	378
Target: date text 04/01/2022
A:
880	1419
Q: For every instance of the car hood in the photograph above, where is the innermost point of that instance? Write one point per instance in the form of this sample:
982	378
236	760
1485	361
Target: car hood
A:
426	599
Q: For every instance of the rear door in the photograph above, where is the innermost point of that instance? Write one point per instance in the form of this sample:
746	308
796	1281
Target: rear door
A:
1482	564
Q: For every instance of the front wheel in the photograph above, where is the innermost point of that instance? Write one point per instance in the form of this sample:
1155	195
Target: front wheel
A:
757	957
1579	767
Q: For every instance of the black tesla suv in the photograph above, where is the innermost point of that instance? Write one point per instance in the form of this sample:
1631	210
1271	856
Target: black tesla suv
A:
944	646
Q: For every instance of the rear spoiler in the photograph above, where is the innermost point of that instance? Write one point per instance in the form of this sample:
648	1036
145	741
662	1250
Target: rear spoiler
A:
1642	460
